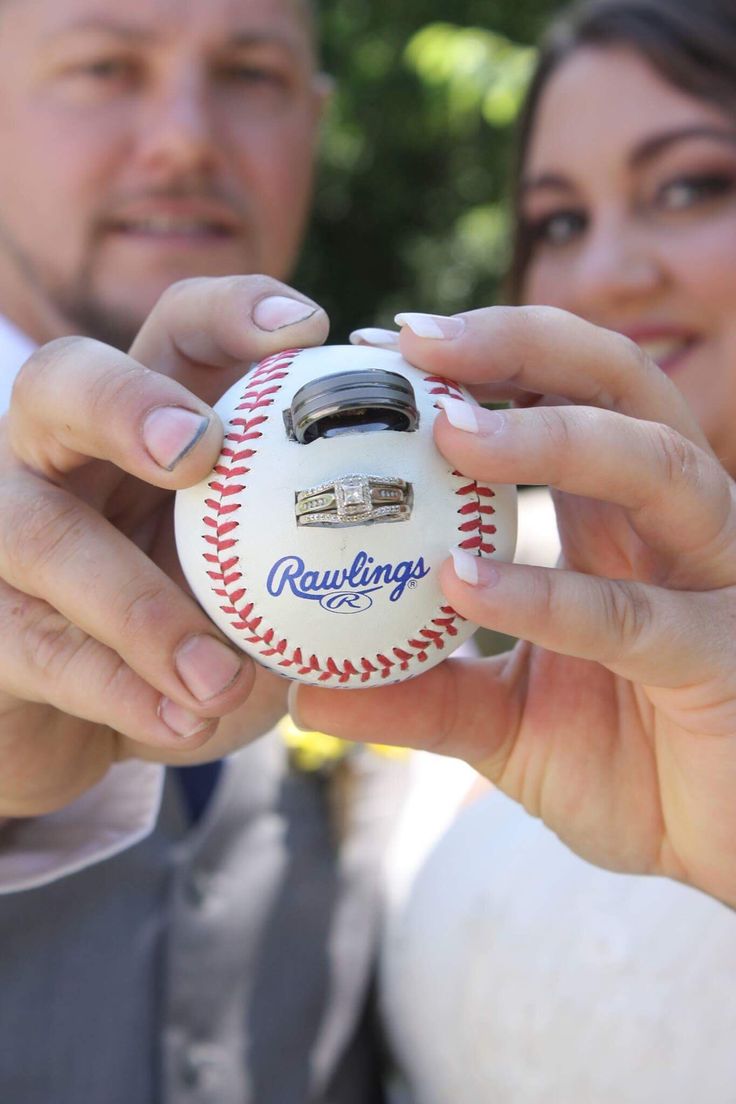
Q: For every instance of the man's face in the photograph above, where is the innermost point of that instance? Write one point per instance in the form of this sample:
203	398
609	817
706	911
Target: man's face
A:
145	142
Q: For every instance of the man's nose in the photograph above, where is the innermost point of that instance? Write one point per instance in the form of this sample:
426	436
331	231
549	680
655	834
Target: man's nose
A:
618	263
176	130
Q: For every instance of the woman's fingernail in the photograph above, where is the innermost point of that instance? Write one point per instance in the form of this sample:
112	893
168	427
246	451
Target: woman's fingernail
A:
466	566
170	432
293	707
179	720
278	311
460	414
372	335
436	326
207	667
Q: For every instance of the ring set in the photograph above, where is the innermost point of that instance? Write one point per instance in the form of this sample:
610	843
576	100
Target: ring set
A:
355	500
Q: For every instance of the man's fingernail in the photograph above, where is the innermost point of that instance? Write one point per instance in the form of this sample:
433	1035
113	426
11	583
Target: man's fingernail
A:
460	414
180	720
170	432
278	311
207	667
377	338
293	707
436	326
466	566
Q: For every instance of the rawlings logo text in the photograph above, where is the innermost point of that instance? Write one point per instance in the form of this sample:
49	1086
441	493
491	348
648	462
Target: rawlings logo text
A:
344	589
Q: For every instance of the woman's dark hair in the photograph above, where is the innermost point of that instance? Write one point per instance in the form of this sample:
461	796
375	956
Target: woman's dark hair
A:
690	43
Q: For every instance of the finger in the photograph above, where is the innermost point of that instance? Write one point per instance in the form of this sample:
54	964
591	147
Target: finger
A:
647	634
77	399
678	497
62	551
227	323
440	711
543	350
47	660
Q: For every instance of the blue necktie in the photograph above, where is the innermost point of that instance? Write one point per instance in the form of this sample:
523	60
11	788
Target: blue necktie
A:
197	785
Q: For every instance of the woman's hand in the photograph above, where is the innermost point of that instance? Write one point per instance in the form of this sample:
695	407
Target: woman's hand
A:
614	718
104	654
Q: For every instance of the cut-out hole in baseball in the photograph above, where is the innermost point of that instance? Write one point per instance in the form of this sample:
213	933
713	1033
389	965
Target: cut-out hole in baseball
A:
369	400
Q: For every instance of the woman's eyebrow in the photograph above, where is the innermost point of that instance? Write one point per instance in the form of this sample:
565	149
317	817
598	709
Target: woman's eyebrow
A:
548	181
658	143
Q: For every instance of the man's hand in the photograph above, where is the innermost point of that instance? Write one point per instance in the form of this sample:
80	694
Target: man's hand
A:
103	653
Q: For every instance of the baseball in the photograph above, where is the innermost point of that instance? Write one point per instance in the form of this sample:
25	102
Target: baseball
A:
316	541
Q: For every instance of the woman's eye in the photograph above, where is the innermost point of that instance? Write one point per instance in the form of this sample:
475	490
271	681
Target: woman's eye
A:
558	228
106	69
686	192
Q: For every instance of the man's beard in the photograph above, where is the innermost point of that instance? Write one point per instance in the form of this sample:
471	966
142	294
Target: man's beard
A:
100	321
75	303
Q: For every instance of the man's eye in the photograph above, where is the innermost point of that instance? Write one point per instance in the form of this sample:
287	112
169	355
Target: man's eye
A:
688	191
558	228
251	74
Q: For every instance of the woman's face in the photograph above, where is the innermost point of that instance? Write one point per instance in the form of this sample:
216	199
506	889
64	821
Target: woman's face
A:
629	192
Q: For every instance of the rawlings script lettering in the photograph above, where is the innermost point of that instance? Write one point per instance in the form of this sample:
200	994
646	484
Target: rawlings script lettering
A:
362	577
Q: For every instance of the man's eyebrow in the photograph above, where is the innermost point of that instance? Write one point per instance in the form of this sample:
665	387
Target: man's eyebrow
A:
658	143
103	25
243	40
238	40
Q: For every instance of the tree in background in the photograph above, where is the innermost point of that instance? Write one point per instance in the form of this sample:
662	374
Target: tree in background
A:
411	202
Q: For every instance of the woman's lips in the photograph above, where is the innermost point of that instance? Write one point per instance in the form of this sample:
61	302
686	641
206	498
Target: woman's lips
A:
668	353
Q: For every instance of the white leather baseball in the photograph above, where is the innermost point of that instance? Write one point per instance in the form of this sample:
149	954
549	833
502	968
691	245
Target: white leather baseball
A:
340	606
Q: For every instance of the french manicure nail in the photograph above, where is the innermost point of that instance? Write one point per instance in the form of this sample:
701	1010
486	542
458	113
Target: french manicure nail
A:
466	566
435	326
277	311
179	720
170	432
460	414
292	704
207	667
372	335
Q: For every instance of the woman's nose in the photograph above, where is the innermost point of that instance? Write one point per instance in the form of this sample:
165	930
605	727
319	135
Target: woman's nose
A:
617	264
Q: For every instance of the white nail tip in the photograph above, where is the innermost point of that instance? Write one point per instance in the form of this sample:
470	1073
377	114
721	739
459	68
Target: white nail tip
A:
460	414
423	325
374	336
466	566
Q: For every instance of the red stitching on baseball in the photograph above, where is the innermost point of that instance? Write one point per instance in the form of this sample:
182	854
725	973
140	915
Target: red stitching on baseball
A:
263	384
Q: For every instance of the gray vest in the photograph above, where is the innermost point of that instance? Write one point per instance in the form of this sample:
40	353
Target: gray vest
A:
228	963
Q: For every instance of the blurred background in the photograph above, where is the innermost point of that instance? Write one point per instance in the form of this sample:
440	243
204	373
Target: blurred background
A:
411	202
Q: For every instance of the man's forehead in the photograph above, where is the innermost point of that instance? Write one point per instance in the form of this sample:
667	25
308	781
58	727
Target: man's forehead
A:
215	18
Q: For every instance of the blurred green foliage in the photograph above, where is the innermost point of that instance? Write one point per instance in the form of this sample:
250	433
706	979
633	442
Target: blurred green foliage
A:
410	206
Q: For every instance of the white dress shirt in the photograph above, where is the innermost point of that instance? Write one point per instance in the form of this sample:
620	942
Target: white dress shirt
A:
118	812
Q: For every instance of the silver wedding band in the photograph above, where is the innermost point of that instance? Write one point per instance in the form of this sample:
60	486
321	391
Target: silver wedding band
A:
347	402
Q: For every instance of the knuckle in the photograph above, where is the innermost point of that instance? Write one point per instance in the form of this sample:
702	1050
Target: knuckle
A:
559	440
143	608
49	642
49	526
191	286
676	457
47	361
628	616
633	357
113	388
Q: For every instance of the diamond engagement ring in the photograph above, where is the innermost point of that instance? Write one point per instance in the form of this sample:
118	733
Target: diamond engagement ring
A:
355	500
